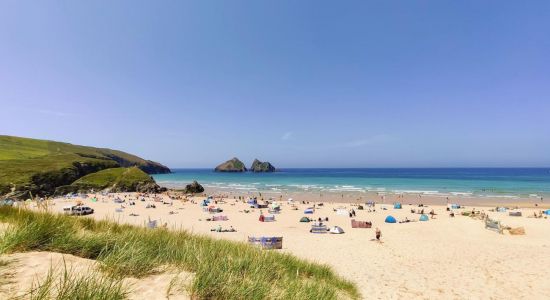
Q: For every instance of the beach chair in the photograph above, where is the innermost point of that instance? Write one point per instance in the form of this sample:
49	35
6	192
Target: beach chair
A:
152	224
269	218
493	225
315	228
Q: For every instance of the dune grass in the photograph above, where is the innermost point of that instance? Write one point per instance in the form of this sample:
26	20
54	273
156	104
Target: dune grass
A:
63	283
222	269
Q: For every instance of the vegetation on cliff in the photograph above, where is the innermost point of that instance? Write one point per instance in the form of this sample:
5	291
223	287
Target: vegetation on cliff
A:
38	167
115	180
262	166
232	165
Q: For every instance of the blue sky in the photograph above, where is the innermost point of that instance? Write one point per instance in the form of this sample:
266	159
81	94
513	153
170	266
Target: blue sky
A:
298	83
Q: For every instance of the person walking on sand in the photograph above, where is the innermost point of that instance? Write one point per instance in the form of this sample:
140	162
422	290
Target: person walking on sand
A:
378	234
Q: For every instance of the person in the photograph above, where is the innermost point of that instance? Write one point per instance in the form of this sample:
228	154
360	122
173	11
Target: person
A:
378	234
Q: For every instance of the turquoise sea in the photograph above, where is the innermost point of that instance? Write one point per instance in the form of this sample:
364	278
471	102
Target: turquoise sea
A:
499	182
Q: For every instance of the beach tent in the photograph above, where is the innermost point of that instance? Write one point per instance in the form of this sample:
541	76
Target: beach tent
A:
390	219
455	206
252	201
501	209
397	205
424	218
305	220
336	230
275	205
308	211
547	212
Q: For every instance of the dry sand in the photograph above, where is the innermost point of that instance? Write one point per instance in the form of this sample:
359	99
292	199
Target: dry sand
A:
449	258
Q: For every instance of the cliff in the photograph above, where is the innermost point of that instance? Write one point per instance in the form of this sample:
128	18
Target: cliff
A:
38	167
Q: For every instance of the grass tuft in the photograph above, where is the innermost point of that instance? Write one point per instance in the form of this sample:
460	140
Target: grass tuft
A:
67	284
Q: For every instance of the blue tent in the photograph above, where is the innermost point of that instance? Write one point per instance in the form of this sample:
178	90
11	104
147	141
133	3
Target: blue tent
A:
424	218
308	211
547	212
455	206
397	205
390	219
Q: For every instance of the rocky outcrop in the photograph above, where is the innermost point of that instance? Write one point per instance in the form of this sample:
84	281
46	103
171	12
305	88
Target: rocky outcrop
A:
262	166
193	188
232	165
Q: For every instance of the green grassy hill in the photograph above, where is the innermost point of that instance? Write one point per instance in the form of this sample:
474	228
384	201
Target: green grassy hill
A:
40	166
116	179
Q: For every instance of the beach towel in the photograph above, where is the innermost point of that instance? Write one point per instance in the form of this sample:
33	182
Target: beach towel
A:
360	224
267	242
219	218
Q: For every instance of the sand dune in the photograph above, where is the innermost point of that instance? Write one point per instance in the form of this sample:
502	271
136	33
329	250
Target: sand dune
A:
451	258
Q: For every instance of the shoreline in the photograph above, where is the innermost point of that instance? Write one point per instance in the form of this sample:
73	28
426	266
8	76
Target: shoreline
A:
383	198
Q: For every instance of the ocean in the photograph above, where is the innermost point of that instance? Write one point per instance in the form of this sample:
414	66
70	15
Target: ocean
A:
478	182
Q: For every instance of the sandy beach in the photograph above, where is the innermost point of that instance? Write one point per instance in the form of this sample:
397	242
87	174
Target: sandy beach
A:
445	257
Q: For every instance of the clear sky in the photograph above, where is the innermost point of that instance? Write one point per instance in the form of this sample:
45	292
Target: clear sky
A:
298	83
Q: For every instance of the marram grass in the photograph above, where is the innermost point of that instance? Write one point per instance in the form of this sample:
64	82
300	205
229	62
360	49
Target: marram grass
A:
222	269
64	283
